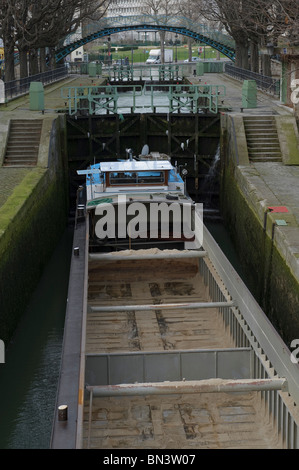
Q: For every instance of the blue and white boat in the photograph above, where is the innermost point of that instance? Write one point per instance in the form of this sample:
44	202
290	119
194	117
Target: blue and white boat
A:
134	178
146	185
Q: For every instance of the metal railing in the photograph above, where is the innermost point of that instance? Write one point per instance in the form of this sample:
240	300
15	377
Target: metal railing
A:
172	98
249	327
21	86
263	82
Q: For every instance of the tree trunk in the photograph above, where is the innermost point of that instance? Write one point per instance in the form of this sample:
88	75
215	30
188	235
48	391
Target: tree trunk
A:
33	62
52	61
162	40
23	62
42	59
242	55
189	42
266	65
9	73
254	57
265	61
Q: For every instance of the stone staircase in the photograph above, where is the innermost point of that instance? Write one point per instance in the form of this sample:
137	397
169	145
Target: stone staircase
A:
23	143
262	139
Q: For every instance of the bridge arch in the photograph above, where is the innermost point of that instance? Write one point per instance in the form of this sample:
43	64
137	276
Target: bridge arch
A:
179	25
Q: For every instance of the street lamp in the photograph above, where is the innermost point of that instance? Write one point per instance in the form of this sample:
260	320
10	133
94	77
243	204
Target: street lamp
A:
109	50
176	47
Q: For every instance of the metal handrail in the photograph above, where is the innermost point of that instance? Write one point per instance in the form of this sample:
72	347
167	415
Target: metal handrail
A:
21	86
180	97
263	82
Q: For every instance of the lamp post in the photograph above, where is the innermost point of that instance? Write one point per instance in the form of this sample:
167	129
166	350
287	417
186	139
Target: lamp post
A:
109	50
176	47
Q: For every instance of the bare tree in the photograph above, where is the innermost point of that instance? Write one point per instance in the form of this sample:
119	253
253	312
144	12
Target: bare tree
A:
39	24
160	10
254	24
7	34
187	10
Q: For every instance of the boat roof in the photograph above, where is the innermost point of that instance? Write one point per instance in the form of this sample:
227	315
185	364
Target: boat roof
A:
132	165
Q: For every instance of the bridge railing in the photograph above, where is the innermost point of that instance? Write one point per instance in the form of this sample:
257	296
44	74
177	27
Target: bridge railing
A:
21	86
263	82
166	20
177	24
147	98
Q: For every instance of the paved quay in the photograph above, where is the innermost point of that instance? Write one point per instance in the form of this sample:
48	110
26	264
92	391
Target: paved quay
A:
267	184
19	108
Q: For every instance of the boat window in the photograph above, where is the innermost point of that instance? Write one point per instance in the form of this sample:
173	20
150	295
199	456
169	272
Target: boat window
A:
129	178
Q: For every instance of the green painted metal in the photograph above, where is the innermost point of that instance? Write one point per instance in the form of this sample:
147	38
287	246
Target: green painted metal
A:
158	72
176	24
36	96
121	72
177	98
194	98
249	94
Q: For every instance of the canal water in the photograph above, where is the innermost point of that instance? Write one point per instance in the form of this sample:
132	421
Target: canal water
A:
28	379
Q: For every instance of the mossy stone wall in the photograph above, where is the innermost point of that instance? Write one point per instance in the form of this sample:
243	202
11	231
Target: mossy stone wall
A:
31	222
268	276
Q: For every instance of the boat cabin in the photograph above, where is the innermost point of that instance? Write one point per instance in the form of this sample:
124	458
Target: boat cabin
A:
135	174
130	176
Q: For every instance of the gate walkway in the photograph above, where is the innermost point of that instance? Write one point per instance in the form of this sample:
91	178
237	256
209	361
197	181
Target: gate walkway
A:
54	101
20	109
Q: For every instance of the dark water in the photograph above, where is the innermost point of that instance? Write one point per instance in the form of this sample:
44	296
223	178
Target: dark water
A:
28	379
222	237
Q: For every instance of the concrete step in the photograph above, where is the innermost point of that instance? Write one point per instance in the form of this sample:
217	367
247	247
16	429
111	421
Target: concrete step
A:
264	154
261	128
265	159
25	133
262	138
23	143
22	146
263	145
259	124
255	151
258	118
23	128
19	161
29	156
20	164
261	132
267	136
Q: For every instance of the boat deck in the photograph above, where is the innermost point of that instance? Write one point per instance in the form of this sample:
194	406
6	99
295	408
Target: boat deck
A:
179	421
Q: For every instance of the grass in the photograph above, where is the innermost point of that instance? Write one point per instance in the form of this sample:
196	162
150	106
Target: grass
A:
141	54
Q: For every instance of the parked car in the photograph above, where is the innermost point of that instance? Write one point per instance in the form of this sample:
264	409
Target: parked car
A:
193	59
